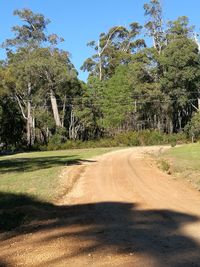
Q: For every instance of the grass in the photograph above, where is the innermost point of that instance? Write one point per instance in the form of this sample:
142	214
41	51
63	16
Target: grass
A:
37	174
29	183
185	162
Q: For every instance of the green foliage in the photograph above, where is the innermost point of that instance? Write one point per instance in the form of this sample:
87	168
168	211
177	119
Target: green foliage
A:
179	28
118	103
193	127
57	139
32	31
88	110
154	25
113	48
39	78
147	137
124	139
127	139
12	125
134	95
164	165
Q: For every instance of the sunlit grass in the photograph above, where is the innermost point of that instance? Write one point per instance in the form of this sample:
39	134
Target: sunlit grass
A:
185	162
37	173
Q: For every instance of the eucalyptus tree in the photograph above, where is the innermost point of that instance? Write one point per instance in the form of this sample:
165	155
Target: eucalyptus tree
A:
113	49
56	73
155	24
20	80
31	33
28	37
59	82
117	105
88	109
181	72
175	65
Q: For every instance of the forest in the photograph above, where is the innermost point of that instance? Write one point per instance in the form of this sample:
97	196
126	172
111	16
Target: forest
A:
143	79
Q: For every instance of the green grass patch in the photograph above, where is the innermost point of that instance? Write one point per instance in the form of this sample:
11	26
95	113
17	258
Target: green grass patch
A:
29	183
131	138
37	174
184	162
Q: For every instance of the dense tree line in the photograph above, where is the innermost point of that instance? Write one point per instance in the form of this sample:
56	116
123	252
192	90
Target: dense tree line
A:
131	85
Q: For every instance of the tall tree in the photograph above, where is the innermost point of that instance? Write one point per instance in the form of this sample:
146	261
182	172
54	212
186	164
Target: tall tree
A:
155	25
20	79
113	49
181	72
59	79
88	109
31	33
28	37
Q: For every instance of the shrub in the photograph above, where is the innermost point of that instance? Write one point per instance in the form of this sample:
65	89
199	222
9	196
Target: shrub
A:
148	137
192	129
127	139
132	138
164	166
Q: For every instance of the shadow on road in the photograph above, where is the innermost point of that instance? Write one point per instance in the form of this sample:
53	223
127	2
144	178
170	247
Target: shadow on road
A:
122	227
38	163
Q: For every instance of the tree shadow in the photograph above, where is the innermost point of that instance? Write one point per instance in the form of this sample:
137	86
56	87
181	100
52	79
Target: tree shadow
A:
123	227
3	264
32	164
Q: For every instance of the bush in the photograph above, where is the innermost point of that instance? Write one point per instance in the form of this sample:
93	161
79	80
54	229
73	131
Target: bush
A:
142	138
164	166
57	141
192	129
148	137
127	139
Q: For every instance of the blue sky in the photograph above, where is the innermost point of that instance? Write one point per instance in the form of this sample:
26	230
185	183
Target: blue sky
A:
80	21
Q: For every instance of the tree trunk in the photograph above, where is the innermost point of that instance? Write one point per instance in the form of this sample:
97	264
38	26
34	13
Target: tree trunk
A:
30	121
72	125
198	103
33	131
55	109
171	128
100	70
63	112
100	60
179	121
159	125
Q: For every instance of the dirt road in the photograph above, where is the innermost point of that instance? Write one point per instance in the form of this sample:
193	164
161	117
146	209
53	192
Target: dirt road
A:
122	211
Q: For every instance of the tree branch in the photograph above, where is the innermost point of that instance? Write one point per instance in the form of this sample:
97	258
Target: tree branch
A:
194	106
108	40
21	108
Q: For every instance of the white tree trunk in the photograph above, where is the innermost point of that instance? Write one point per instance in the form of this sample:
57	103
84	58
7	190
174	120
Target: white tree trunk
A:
63	111
100	70
30	121
55	109
101	51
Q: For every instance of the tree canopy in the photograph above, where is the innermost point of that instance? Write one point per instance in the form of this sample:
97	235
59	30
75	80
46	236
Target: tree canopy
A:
131	86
